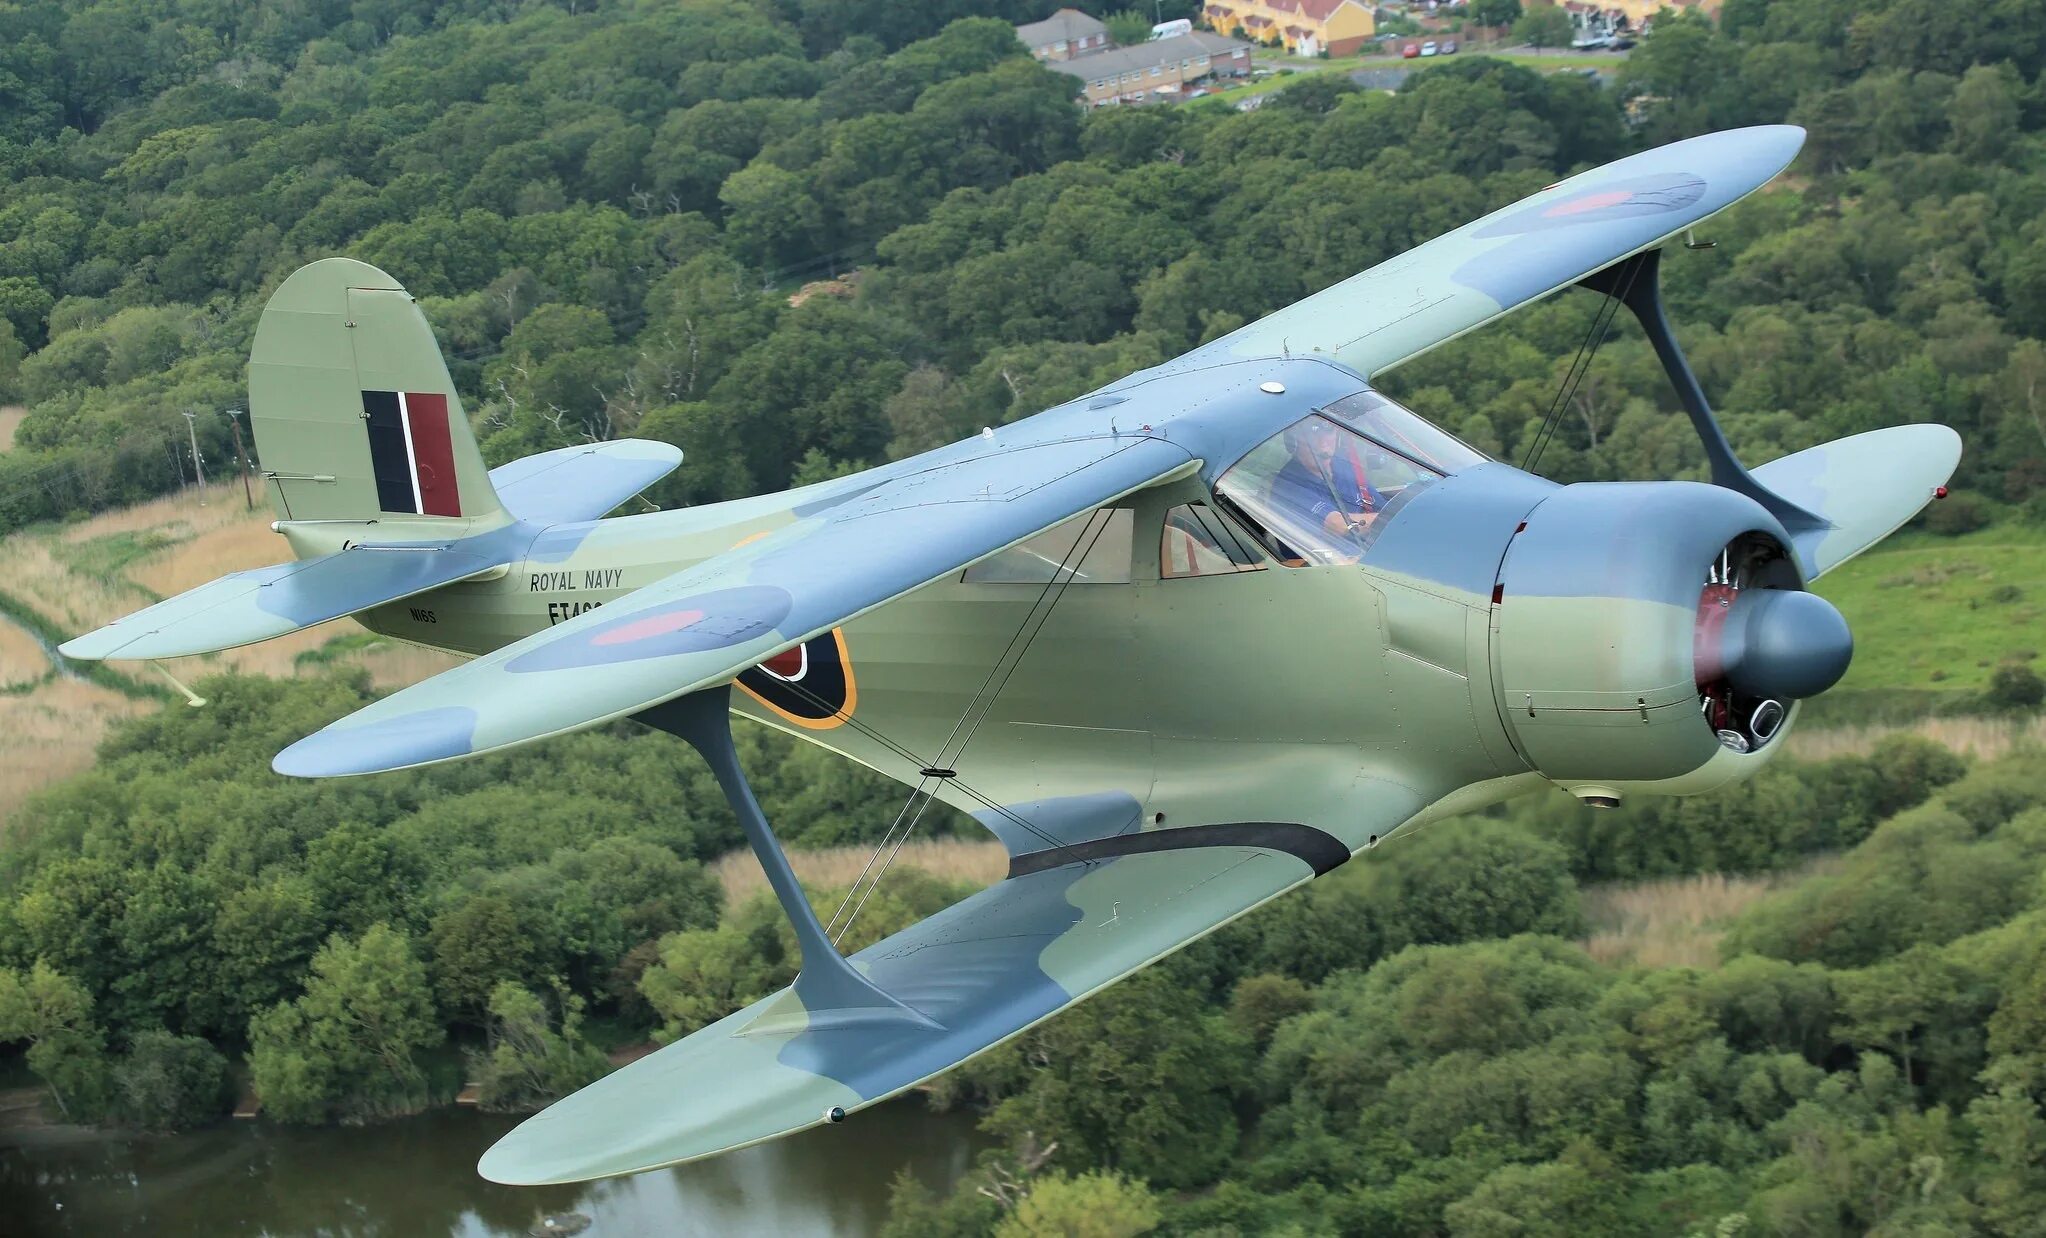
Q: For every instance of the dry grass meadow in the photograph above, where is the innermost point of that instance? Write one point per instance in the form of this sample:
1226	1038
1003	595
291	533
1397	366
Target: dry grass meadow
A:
980	861
1676	921
1984	739
78	576
51	734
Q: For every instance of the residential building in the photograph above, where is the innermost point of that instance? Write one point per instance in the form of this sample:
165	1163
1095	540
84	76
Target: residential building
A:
1151	70
1612	17
1064	35
1306	27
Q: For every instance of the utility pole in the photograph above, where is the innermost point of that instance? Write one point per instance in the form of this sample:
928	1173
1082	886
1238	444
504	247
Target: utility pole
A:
234	424
192	428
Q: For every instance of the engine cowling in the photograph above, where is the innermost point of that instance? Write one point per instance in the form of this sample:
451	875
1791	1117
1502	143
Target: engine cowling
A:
1656	636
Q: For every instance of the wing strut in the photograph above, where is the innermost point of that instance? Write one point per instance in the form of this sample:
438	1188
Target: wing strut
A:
833	992
1636	283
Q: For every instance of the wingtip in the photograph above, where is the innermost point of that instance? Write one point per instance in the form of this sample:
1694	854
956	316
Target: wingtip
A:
420	738
95	646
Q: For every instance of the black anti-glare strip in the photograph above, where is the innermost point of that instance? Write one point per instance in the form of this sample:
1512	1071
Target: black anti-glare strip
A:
1318	849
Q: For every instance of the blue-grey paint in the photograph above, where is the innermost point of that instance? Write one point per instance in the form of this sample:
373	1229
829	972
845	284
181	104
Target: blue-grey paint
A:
972	968
1651	540
1455	531
834	995
429	735
580	483
1063	820
1784	644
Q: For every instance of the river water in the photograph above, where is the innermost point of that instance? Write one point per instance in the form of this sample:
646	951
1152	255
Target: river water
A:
417	1176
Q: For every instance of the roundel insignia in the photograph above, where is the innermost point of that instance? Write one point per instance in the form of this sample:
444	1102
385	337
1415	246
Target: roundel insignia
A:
1626	198
810	685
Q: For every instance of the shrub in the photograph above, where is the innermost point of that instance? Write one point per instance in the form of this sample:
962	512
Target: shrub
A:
2015	686
169	1082
1960	512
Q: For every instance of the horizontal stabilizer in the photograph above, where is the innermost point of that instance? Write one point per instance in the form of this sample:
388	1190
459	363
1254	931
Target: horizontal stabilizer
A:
581	483
1865	487
981	971
263	602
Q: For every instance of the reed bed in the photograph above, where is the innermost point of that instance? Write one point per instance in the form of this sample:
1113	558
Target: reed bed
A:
22	660
394	665
981	862
1675	921
186	513
33	573
1984	739
52	733
234	547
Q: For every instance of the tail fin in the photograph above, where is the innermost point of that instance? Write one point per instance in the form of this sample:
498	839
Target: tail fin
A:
355	417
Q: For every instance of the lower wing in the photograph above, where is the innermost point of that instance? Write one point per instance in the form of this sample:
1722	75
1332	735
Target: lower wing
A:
981	971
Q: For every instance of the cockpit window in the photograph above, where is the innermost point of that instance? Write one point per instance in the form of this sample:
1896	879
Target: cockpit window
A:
1092	548
1199	541
1376	417
1317	491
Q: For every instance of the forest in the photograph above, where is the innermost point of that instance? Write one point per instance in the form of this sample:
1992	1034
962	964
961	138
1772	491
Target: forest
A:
604	209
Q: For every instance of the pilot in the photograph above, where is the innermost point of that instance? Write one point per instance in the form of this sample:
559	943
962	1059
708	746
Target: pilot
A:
1324	481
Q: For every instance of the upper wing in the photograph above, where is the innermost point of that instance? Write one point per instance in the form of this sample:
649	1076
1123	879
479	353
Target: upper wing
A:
706	623
980	971
263	602
581	483
1865	486
1464	279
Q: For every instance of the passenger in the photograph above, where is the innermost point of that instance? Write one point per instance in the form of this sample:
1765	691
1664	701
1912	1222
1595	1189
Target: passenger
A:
1324	482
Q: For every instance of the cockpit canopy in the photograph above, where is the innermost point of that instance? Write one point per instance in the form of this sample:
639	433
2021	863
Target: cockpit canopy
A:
1317	491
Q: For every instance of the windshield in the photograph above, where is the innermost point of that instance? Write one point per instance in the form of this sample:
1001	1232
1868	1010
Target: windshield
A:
1316	491
1373	415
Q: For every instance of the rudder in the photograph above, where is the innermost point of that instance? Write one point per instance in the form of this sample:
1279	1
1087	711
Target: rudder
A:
355	417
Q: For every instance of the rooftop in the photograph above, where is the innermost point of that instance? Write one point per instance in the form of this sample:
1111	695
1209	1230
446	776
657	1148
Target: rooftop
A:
1119	60
1066	24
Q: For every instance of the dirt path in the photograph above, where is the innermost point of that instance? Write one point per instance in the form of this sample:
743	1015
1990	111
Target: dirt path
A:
10	421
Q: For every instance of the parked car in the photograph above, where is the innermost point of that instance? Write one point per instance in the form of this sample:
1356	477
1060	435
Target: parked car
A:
1410	51
1622	43
1428	48
1589	42
1449	47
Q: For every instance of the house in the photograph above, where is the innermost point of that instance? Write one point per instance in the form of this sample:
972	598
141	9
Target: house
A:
1306	27
1612	17
1064	35
1161	68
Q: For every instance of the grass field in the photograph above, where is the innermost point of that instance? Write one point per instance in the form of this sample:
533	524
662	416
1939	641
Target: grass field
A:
1940	613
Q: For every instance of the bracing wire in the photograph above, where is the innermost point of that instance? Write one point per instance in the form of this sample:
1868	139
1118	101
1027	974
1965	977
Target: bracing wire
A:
1026	632
1601	322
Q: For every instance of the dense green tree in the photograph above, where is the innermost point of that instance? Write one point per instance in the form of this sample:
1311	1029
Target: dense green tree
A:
1093	1205
1495	12
350	1045
531	1059
1543	25
52	1014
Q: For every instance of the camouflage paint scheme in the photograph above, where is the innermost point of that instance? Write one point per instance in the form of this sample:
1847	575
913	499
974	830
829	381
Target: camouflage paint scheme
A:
1166	754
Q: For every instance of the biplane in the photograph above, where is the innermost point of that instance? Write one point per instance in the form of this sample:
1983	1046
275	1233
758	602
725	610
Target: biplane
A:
1181	644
